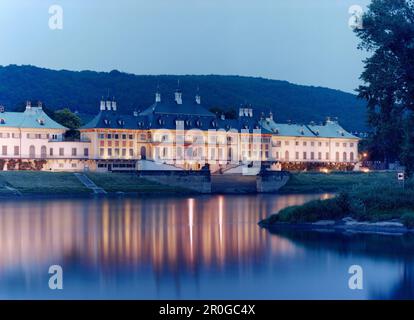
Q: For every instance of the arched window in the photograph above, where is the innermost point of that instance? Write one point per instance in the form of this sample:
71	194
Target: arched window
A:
32	152
286	155
337	157
43	152
344	157
351	157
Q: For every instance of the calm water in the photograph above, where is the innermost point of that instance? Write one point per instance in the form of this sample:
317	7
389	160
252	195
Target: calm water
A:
207	247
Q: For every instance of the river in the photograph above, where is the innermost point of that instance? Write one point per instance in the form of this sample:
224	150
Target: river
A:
201	247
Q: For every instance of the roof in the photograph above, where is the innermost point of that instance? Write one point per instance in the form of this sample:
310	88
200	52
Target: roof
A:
331	129
171	107
115	120
286	129
32	117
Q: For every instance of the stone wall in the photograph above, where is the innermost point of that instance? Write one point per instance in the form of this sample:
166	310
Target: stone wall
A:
271	181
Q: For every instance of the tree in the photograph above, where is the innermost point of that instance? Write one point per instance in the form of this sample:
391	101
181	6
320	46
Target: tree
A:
67	118
388	33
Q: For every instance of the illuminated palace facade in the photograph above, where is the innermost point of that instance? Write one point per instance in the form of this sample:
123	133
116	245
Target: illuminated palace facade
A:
172	134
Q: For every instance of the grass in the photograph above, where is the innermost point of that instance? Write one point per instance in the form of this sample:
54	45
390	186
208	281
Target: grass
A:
124	182
373	202
334	182
35	182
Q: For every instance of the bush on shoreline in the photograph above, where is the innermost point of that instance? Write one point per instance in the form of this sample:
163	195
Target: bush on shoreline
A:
377	202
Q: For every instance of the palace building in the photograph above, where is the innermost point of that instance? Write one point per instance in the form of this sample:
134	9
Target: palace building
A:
174	132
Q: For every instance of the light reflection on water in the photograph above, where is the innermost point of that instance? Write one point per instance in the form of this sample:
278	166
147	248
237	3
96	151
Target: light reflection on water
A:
200	247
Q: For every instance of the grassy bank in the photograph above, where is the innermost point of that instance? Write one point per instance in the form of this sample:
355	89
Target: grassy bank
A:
33	182
16	183
363	202
124	182
334	182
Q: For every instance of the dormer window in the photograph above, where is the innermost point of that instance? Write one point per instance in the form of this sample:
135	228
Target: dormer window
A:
198	123
41	121
121	122
188	122
302	132
2	121
107	122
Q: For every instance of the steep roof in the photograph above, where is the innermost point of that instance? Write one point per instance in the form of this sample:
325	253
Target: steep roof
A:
32	117
169	106
286	129
114	120
331	129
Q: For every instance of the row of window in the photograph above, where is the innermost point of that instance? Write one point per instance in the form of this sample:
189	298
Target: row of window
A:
312	155
116	136
43	151
313	143
116	152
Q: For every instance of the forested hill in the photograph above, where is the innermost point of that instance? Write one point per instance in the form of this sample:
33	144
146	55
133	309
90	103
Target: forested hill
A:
81	91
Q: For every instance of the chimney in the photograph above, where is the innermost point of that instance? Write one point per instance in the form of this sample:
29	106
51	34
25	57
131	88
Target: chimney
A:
157	97
114	105
39	104
2	109
135	113
102	107
178	97
223	117
241	112
271	115
108	105
198	99
28	104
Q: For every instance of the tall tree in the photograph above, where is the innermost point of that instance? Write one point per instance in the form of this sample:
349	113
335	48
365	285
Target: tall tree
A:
388	33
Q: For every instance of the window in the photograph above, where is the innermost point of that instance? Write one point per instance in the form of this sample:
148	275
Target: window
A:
337	157
304	143
351	156
286	143
327	156
109	136
351	144
124	152
16	135
51	152
344	144
74	165
131	152
297	155
297	143
86	152
54	136
312	144
116	152
101	152
319	144
304	156
319	155
287	156
116	136
4	150
16	150
74	152
61	152
344	156
32	151
337	144
312	155
109	152
43	152
131	137
101	136
124	136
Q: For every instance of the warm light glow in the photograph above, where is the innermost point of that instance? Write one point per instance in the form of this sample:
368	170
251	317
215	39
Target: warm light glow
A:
366	170
324	170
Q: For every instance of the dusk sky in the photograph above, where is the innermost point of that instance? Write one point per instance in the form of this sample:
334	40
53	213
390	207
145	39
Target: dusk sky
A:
301	41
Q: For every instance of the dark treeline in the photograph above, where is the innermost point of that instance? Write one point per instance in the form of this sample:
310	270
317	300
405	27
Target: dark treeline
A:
81	91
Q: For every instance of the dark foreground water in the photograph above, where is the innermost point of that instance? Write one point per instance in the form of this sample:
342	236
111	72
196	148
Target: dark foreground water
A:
206	247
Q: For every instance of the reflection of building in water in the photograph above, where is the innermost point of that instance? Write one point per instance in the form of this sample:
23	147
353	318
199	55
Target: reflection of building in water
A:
167	235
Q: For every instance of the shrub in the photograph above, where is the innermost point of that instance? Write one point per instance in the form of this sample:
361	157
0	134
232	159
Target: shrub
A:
408	219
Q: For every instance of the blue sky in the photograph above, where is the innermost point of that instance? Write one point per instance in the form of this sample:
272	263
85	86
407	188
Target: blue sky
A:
301	41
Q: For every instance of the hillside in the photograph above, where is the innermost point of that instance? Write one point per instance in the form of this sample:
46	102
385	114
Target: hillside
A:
81	91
